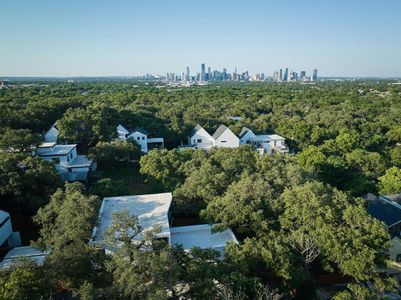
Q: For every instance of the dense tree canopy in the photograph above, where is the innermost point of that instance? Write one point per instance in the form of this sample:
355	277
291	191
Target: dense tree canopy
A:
293	214
26	182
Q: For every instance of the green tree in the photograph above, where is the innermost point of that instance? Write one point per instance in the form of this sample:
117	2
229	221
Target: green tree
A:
25	282
246	206
338	228
66	228
390	182
115	151
141	266
87	126
19	140
165	166
107	187
26	182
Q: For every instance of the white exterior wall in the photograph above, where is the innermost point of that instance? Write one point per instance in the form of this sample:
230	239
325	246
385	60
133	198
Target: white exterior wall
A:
247	138
141	139
6	229
227	140
51	135
206	141
122	133
71	155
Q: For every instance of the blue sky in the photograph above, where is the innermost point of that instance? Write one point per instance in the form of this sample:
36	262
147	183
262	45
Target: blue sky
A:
105	38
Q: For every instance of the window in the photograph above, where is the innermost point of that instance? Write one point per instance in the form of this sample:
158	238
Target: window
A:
5	221
223	142
68	159
199	140
143	137
138	138
398	258
55	160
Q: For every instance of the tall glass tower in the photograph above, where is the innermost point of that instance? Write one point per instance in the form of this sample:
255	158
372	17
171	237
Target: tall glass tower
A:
203	72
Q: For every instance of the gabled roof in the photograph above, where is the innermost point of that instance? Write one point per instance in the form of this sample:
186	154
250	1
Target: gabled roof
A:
383	209
244	131
121	128
195	130
141	130
3	215
219	131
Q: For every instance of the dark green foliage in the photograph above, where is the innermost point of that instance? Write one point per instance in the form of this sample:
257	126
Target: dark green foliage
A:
26	182
291	213
117	151
107	187
19	140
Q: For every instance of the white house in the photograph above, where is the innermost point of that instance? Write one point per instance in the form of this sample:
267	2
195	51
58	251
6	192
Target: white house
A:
52	134
223	137
8	238
199	138
70	165
152	210
122	132
155	210
265	143
140	136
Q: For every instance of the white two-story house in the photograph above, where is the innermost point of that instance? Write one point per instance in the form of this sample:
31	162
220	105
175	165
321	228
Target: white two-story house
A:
223	137
70	165
199	138
264	143
140	136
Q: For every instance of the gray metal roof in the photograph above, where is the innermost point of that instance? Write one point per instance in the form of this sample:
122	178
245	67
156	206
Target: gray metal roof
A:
141	130
195	130
383	209
243	132
219	131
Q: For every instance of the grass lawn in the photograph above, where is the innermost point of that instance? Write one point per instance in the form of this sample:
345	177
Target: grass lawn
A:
128	172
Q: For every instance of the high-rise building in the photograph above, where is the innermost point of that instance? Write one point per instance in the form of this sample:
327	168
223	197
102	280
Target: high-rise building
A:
225	77
314	75
303	75
187	75
285	78
281	75
203	72
209	72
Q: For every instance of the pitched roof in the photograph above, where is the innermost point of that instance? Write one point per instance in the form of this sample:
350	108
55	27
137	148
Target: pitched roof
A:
121	128
141	130
219	131
383	209
195	130
243	132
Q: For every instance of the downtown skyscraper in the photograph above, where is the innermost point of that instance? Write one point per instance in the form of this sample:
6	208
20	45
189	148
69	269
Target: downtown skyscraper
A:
203	72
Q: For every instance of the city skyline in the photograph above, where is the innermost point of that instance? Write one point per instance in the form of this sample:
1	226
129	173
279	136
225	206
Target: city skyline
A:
127	38
201	75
